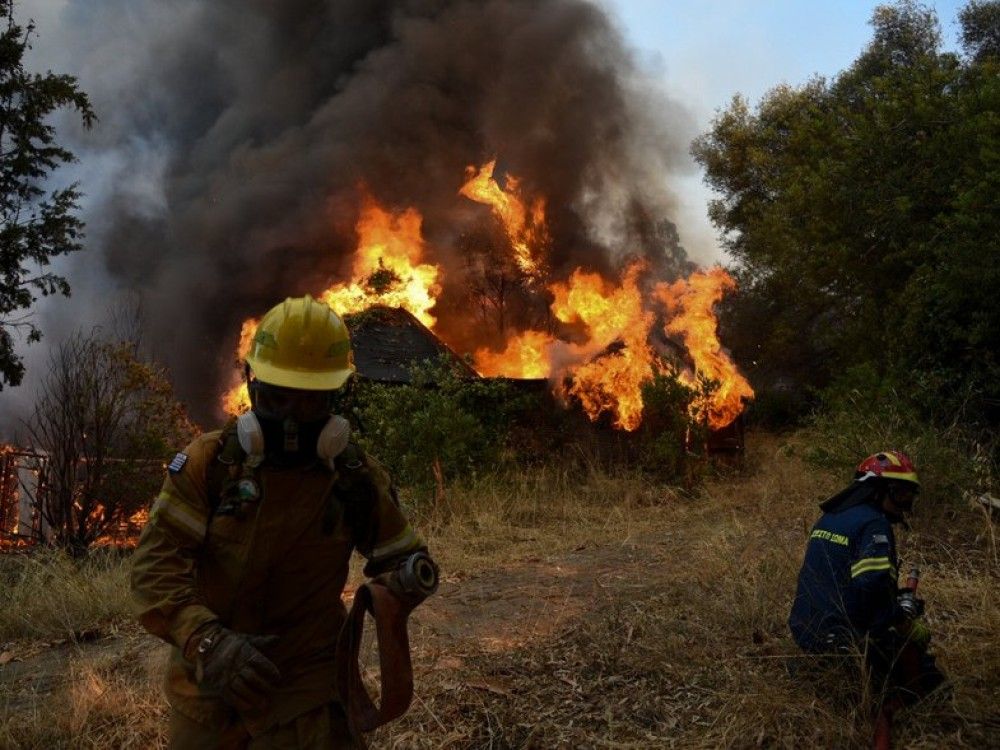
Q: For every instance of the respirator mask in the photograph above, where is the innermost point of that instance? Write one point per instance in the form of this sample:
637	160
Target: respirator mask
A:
291	425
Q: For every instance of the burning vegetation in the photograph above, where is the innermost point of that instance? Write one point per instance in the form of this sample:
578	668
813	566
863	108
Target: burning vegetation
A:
593	344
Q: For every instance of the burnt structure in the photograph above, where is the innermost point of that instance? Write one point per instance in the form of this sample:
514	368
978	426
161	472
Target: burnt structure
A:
389	341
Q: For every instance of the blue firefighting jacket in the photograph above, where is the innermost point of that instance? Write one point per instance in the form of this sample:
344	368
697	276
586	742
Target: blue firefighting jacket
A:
848	583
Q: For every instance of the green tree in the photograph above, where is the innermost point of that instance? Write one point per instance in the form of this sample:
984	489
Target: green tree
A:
981	29
36	225
860	212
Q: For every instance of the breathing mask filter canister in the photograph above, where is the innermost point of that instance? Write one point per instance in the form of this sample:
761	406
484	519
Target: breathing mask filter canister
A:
332	440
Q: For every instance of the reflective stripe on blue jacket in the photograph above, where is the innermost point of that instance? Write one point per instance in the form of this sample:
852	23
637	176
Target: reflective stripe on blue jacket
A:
848	583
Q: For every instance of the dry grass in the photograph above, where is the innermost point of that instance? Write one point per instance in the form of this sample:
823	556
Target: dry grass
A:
47	594
542	513
588	611
98	699
694	652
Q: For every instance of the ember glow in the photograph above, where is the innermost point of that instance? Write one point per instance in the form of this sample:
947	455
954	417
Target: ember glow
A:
690	303
525	228
8	491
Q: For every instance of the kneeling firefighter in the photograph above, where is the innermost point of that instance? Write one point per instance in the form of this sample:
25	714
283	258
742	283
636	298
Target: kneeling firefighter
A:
243	562
848	598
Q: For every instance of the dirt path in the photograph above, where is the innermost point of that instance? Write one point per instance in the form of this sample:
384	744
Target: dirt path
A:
470	614
531	599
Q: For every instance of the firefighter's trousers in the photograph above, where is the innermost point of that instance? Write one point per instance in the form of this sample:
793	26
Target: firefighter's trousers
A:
323	728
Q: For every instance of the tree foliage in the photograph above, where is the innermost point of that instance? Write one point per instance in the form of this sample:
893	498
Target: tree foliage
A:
981	29
36	224
106	419
862	213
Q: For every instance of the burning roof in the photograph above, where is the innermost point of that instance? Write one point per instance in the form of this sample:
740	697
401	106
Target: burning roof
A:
388	341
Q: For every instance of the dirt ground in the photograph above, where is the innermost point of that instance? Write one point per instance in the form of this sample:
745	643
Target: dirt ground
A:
470	615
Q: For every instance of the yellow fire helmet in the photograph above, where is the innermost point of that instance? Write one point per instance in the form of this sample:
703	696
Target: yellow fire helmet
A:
302	343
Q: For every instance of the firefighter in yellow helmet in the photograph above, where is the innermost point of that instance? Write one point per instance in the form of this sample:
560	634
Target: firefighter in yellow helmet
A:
243	562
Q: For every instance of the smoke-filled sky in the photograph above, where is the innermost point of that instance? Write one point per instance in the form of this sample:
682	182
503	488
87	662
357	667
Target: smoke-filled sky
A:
224	173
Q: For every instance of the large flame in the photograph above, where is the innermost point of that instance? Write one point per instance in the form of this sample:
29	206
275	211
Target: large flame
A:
605	371
525	227
527	356
612	380
388	270
602	357
388	266
690	303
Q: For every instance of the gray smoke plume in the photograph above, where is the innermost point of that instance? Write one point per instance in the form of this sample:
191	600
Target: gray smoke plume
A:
234	135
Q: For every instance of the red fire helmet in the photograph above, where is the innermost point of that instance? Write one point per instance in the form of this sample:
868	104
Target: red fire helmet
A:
888	465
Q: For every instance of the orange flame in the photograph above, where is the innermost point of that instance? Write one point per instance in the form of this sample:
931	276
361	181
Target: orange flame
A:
525	227
611	382
602	380
690	302
526	356
610	358
388	270
237	399
606	372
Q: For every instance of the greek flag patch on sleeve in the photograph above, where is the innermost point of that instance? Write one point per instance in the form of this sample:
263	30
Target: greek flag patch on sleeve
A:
177	463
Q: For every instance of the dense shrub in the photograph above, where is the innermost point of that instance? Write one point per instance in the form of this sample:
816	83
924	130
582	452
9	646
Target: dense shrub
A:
954	463
441	423
443	426
861	213
668	427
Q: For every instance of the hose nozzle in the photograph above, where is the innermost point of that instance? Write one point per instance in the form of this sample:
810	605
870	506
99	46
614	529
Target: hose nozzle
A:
418	575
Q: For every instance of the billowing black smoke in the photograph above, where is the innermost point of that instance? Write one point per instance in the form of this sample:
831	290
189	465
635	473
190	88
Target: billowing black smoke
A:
239	131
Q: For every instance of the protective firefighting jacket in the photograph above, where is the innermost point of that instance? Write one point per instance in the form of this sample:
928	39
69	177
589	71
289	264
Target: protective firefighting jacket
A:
263	551
847	586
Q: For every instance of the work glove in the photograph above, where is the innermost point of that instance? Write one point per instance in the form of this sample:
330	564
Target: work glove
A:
232	664
919	634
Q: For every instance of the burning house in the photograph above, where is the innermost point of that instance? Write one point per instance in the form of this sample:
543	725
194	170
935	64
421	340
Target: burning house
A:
389	341
600	340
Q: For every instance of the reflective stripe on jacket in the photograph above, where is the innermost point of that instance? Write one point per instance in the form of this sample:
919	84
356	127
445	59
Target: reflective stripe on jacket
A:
848	582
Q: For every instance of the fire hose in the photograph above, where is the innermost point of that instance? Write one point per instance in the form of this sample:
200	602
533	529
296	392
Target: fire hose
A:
390	598
909	661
